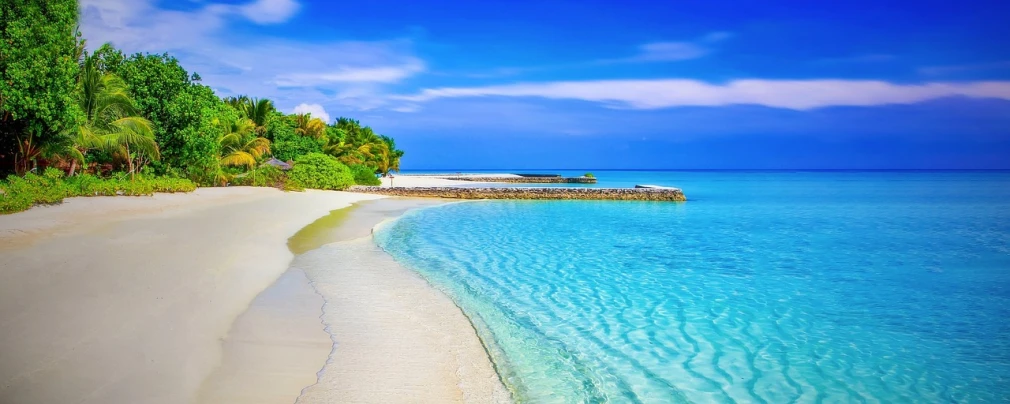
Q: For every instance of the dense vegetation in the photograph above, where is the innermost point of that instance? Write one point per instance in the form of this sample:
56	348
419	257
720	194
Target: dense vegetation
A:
320	171
105	116
19	193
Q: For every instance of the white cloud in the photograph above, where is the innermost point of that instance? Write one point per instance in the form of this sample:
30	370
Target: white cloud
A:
407	108
316	110
950	69
789	94
665	51
336	73
673	51
669	52
270	11
350	74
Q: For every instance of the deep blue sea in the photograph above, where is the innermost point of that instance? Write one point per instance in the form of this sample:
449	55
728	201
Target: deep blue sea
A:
766	287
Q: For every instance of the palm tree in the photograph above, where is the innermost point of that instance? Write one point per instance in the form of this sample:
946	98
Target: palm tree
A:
350	154
306	125
388	160
111	121
240	147
258	110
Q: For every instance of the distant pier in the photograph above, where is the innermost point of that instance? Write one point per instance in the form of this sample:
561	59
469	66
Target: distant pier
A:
537	193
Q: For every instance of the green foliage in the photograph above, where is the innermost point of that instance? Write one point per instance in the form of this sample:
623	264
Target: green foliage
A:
364	175
111	121
258	110
21	193
287	143
38	72
319	171
356	144
178	106
97	113
589	175
264	176
241	146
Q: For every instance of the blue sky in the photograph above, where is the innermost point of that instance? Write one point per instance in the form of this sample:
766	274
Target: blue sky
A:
607	84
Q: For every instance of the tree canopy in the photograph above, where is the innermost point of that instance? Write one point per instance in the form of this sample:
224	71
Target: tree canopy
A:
38	77
97	112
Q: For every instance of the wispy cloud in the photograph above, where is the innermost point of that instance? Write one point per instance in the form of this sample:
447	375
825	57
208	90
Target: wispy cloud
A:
950	69
350	74
652	52
672	51
789	94
270	11
864	58
338	73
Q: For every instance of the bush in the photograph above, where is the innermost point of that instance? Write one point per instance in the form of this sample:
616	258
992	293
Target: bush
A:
589	175
319	171
265	176
286	144
20	193
364	175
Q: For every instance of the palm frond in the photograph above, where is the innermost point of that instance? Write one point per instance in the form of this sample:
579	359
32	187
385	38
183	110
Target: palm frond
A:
239	159
135	132
257	147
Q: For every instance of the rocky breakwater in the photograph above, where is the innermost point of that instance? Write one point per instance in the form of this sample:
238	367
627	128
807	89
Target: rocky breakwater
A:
608	194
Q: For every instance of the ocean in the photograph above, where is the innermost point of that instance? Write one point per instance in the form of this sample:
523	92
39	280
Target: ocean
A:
768	287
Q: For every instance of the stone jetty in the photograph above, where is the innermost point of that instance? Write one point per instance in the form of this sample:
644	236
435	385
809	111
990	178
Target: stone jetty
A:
537	193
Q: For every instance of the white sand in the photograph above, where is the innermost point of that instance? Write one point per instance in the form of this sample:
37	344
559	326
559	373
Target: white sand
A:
438	180
390	337
397	339
422	181
274	349
126	300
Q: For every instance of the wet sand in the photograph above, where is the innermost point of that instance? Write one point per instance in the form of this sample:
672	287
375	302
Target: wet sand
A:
384	334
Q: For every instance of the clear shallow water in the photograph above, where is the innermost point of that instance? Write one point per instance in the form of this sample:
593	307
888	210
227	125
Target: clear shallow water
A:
764	287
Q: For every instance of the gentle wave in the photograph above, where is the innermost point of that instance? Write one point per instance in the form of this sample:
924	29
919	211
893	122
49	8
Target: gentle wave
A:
849	291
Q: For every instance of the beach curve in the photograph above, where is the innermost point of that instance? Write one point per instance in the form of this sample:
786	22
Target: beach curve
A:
375	331
123	299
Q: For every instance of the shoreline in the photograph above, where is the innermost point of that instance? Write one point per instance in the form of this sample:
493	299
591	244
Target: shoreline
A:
109	299
367	303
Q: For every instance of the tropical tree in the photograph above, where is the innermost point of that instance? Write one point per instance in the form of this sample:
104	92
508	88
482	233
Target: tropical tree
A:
306	125
387	161
38	72
181	109
285	142
351	154
394	154
240	147
258	110
111	121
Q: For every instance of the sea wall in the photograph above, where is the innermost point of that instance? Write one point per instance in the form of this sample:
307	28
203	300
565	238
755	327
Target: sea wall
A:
613	194
524	180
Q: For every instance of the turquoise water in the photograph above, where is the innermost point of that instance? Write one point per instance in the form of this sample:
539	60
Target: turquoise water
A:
764	287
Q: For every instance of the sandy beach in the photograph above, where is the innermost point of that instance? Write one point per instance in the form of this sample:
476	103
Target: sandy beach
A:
422	181
189	298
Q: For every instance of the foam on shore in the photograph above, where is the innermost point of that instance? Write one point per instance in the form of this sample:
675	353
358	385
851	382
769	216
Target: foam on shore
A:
389	336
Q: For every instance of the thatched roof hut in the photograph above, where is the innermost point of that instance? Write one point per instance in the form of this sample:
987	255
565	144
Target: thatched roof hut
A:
279	164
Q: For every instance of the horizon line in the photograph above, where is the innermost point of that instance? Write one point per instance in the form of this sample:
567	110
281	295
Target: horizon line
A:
713	169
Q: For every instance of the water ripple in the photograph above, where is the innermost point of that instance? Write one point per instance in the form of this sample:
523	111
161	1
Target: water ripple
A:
803	289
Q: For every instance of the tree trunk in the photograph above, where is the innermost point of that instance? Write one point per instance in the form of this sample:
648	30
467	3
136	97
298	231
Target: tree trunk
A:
129	161
73	165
